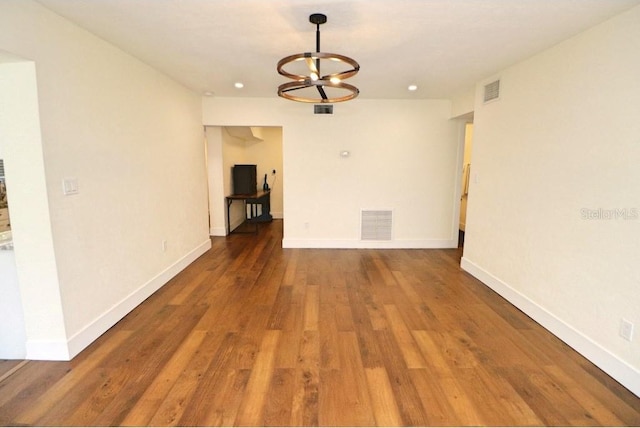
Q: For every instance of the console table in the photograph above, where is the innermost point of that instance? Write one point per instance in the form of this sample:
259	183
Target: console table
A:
260	199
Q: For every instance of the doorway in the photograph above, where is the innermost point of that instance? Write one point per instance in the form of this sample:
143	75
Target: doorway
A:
466	177
18	126
227	146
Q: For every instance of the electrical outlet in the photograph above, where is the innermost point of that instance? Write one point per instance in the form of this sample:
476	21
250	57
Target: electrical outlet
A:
626	329
164	245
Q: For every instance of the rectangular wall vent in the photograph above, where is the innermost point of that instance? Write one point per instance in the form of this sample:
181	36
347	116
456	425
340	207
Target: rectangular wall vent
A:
376	225
323	109
1	168
492	91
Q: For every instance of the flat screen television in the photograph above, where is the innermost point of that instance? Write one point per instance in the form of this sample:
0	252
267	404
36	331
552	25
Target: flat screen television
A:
244	179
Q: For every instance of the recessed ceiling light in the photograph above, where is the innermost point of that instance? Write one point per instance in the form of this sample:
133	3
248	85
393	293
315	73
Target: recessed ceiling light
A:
208	94
413	87
239	85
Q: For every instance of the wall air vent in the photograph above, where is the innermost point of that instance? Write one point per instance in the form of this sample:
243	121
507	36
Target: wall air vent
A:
376	225
323	109
492	91
1	168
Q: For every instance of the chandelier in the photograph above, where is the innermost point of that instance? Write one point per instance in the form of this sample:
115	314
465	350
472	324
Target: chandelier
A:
309	73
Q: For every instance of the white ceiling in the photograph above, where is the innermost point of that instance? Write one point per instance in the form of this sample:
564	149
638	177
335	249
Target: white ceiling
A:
443	46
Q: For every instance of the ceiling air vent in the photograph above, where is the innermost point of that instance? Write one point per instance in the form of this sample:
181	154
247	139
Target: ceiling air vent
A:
323	109
492	91
376	225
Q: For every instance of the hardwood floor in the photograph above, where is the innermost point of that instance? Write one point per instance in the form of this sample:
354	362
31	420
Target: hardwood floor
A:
251	334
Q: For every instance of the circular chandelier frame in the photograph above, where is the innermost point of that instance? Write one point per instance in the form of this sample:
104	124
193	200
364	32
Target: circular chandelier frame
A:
355	67
285	88
314	78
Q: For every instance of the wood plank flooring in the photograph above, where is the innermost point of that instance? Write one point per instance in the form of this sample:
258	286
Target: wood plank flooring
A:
255	335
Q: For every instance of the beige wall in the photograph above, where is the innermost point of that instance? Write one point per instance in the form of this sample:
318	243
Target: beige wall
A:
561	144
216	184
133	140
405	156
463	103
33	278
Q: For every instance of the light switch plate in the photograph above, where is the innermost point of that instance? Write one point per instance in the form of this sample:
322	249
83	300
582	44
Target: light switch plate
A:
626	329
70	186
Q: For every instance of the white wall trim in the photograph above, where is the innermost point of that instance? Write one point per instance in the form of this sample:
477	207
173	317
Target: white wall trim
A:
61	351
347	243
47	350
222	231
601	357
218	231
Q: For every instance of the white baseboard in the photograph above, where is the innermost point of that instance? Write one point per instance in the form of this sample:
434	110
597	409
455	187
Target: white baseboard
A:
47	350
353	243
601	357
64	351
222	231
218	231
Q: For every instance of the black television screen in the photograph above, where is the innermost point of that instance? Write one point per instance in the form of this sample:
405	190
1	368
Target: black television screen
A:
244	179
